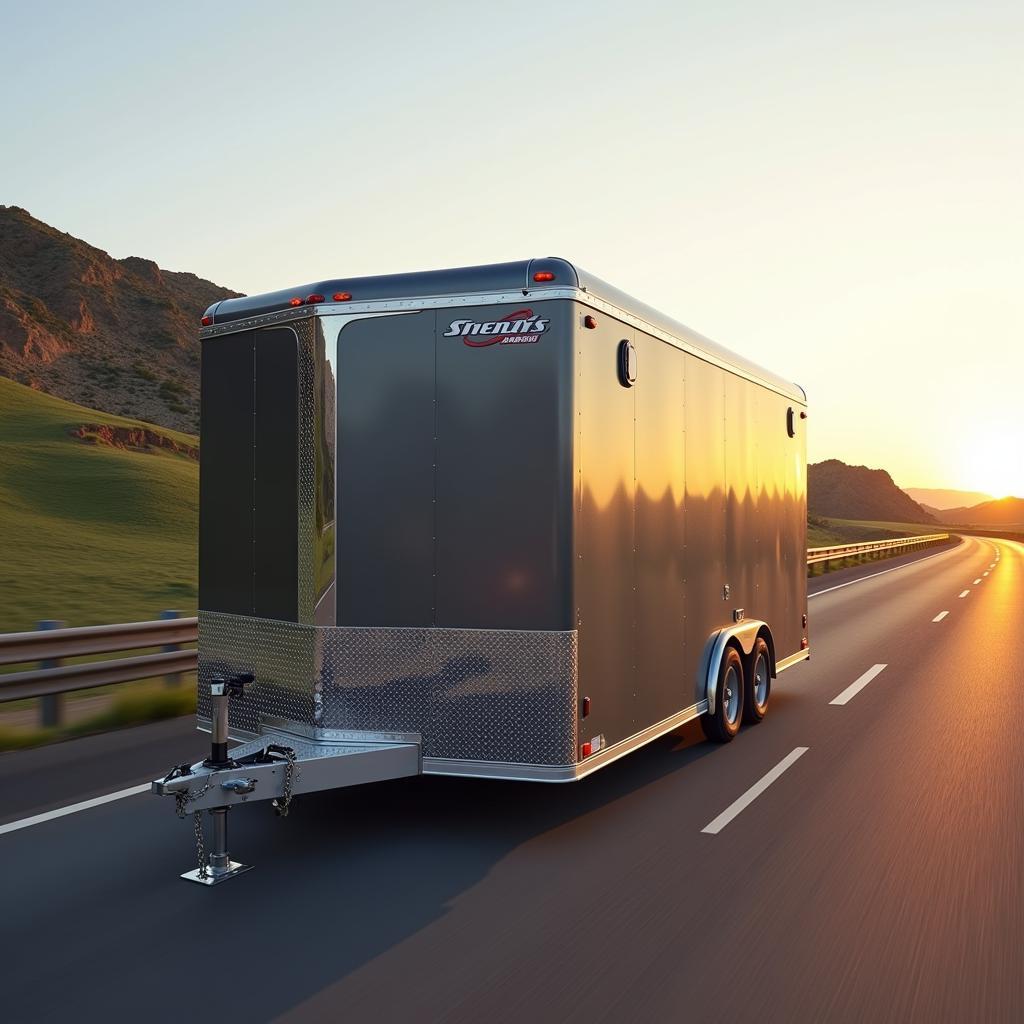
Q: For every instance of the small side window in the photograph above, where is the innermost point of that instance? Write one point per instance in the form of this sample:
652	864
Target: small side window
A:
627	364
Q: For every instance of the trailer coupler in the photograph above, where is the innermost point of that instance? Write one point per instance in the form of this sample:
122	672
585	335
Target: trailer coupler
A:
286	759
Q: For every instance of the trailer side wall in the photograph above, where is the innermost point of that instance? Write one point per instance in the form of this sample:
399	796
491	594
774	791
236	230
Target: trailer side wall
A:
690	507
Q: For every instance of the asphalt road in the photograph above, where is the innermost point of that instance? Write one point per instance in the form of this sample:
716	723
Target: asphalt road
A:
879	877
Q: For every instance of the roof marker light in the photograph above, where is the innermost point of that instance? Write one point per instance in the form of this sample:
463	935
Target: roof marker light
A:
206	321
341	296
312	300
590	322
295	302
543	275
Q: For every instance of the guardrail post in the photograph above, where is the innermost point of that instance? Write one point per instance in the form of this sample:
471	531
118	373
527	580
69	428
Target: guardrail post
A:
51	707
174	679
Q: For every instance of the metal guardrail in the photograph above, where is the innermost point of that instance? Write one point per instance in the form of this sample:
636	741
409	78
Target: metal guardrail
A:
836	551
49	645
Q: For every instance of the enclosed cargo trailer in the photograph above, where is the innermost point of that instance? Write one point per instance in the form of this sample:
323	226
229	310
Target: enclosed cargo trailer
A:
500	521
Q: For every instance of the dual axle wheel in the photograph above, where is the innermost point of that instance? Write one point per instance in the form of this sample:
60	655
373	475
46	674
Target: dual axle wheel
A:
744	685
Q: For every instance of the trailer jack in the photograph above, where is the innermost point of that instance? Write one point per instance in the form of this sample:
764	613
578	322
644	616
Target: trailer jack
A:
285	759
219	866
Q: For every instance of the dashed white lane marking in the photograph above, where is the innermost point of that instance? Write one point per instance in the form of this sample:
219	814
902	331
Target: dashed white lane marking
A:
964	593
940	616
716	826
855	687
977	581
984	574
96	801
993	565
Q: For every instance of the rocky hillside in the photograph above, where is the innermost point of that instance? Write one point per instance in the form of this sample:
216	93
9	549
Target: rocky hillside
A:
115	335
839	491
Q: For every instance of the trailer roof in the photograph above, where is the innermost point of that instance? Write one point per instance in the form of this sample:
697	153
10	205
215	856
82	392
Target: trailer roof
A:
533	276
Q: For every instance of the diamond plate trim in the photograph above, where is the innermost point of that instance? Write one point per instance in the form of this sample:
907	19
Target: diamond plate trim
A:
477	694
308	337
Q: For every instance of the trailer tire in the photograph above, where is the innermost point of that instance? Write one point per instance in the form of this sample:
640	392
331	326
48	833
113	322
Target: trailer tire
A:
723	723
759	682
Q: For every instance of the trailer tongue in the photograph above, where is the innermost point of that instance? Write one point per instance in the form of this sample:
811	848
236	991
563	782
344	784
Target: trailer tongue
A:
282	762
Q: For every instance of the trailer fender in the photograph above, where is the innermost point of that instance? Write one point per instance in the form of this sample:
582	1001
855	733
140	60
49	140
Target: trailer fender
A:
742	635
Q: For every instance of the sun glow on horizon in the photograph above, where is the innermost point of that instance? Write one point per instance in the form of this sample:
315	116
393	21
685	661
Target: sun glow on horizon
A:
991	459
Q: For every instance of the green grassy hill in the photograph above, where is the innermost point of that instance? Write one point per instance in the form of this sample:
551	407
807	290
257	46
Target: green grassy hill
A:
91	533
823	532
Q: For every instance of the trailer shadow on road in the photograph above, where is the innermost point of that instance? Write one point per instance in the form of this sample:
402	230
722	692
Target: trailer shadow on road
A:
349	876
354	873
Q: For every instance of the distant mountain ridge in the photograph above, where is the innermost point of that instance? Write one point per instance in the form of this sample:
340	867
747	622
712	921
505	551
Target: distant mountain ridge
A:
944	498
839	491
1004	512
116	335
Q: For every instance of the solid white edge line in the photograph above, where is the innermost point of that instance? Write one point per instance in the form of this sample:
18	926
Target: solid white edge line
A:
895	568
964	594
716	825
940	616
60	812
857	685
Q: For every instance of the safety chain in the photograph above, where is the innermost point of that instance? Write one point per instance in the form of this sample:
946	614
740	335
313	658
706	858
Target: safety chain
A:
184	797
181	801
282	806
197	824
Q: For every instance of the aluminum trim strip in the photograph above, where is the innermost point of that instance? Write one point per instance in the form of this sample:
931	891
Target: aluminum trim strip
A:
486	298
469	769
639	739
792	660
319	734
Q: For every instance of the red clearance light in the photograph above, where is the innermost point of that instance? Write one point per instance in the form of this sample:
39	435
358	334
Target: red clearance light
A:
341	296
295	302
590	322
585	749
206	321
543	275
312	300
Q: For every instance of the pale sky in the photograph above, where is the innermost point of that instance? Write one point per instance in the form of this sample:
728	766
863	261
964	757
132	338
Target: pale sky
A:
836	190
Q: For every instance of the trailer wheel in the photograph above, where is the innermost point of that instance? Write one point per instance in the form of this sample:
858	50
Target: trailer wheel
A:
723	723
759	683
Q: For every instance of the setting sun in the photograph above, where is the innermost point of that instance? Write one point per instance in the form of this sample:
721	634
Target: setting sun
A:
991	459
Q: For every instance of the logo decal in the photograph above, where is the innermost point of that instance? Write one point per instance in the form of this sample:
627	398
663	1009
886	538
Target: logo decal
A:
520	327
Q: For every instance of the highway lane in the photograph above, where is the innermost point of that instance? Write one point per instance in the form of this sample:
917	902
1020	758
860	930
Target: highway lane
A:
62	774
878	877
